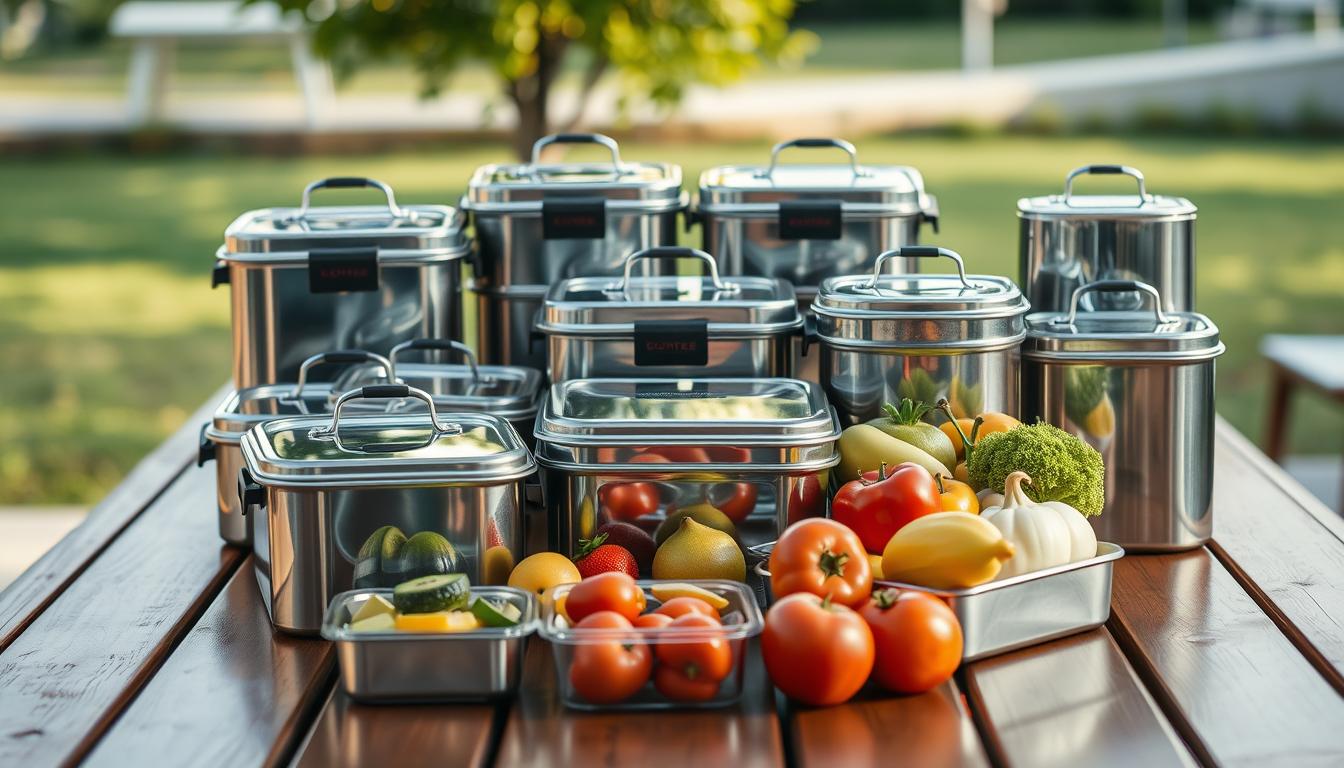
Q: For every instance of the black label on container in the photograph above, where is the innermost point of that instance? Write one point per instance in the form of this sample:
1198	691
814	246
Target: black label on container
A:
337	270
671	342
810	220
662	390
574	219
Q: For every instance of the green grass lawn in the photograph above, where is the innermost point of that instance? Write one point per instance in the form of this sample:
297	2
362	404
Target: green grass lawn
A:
110	334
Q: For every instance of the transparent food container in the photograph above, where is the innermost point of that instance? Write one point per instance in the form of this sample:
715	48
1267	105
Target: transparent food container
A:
741	621
398	666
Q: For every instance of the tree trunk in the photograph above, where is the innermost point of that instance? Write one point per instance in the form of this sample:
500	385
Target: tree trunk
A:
530	95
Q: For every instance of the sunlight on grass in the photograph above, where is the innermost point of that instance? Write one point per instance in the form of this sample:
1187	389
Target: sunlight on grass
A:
132	299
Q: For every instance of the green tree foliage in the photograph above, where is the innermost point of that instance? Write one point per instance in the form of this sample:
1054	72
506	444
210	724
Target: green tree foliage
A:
652	48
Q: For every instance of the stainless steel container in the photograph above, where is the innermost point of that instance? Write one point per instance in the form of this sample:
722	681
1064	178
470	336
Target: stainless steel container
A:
538	223
246	408
805	223
636	450
925	337
1137	386
1070	240
669	326
741	621
309	279
404	667
318	489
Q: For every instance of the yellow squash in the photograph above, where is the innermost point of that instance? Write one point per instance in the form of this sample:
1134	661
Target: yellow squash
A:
946	550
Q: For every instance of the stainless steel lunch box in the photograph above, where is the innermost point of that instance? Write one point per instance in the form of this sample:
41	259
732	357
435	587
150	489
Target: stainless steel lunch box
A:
805	223
310	279
246	408
758	450
405	667
925	337
1070	240
669	326
318	489
538	223
1137	386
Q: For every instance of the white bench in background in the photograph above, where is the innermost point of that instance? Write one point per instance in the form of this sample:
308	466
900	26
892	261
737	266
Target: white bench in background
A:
155	29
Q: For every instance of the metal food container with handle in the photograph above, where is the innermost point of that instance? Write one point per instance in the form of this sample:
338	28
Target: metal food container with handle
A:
538	223
1137	385
1069	240
309	279
921	336
245	408
669	326
758	450
323	491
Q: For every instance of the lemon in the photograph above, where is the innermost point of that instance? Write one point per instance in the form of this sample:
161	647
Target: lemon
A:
697	551
539	572
704	514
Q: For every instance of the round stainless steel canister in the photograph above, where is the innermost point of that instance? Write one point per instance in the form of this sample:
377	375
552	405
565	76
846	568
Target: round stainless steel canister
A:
670	326
1138	385
1070	240
317	489
922	336
538	223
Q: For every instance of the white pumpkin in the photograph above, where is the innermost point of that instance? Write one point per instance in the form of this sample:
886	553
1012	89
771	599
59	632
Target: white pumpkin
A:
1082	539
1038	533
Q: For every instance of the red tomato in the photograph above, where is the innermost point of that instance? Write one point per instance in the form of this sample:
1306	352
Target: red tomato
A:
918	640
608	671
628	501
678	687
823	558
706	657
609	591
880	504
806	499
816	651
736	500
680	606
677	454
652	621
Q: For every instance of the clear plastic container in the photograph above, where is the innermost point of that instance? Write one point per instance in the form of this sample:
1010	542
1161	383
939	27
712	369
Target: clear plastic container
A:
741	621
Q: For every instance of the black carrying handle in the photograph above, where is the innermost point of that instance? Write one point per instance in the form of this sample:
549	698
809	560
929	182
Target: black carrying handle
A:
205	451
219	275
808	332
250	492
384	391
348	182
931	213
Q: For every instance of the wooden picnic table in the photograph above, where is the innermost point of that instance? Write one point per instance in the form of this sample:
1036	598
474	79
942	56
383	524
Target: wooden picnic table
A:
140	639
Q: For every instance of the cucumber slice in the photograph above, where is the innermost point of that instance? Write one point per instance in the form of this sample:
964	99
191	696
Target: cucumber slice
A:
496	614
430	594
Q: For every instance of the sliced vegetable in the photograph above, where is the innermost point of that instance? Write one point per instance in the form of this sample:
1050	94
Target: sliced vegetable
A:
429	594
668	591
439	621
492	613
376	605
379	622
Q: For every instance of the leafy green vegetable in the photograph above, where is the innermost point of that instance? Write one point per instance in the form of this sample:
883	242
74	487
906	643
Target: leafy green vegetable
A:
1062	467
1084	387
920	387
907	413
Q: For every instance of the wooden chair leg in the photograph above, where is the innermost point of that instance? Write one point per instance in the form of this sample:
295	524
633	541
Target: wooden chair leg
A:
1281	392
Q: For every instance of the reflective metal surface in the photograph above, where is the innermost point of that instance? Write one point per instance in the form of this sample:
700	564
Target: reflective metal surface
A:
395	666
506	321
1070	240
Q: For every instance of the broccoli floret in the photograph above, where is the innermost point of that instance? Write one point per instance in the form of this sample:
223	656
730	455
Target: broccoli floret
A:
1084	388
1062	467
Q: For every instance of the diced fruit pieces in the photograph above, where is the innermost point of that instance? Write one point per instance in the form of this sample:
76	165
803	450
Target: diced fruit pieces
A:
431	594
665	592
376	605
378	622
439	621
493	613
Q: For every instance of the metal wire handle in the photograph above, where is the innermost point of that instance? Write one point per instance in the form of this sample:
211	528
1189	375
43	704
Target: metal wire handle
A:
385	392
1105	170
349	182
445	345
817	143
675	252
1115	285
578	138
341	356
919	251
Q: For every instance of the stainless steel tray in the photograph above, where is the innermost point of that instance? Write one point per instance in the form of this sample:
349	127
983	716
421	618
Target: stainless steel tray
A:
405	667
1005	615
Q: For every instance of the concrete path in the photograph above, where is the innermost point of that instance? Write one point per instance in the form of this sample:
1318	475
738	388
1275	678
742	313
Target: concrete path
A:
27	532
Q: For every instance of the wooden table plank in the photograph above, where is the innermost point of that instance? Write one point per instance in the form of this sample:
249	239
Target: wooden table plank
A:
1284	547
349	735
877	728
36	587
541	732
1233	686
1072	702
68	675
235	692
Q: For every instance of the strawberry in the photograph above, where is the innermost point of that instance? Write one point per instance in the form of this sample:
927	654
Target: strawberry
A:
633	538
596	556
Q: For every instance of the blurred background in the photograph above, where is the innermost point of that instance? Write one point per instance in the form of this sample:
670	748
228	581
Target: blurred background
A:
132	133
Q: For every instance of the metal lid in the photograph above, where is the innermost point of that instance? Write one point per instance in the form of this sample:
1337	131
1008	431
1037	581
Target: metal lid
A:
752	188
404	449
920	310
1121	335
511	392
596	306
245	408
1140	206
522	186
403	233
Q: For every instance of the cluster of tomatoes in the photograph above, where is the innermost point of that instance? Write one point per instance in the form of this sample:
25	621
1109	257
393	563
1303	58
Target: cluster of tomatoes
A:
829	632
618	659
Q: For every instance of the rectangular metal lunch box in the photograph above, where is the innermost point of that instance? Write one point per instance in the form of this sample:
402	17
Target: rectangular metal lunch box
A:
314	278
406	667
538	223
758	451
921	336
669	326
741	621
369	500
1016	612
